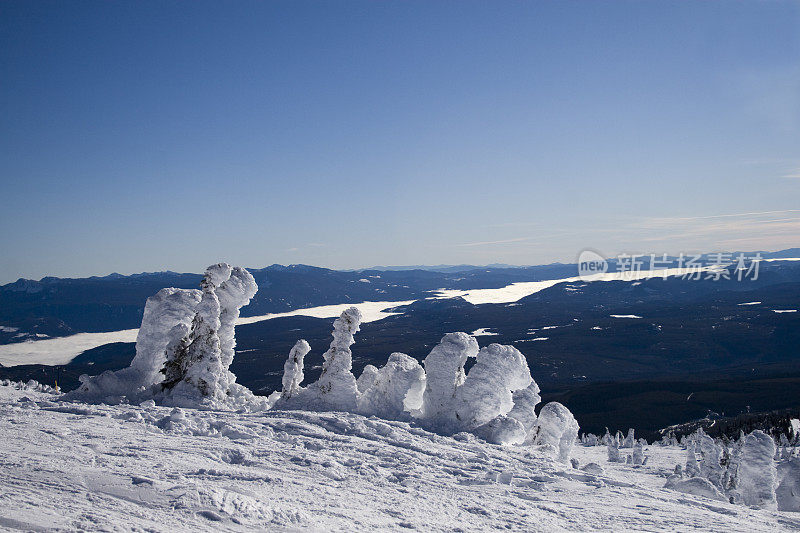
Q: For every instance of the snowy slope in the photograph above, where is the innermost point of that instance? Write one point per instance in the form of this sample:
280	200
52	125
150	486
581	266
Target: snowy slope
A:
73	466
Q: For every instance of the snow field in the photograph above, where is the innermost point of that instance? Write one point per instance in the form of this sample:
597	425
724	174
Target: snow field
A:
70	466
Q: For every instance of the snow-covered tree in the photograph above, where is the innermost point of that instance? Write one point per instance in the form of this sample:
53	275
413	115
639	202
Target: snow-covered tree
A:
710	458
196	367
755	476
367	378
692	468
787	493
495	401
185	347
233	294
293	369
525	402
630	440
396	390
444	371
591	440
166	319
638	457
336	388
557	427
488	389
612	449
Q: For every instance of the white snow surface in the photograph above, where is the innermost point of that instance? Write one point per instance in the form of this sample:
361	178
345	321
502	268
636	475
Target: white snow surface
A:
60	350
516	291
370	311
74	466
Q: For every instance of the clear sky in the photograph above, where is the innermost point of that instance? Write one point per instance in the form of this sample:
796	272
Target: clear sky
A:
139	136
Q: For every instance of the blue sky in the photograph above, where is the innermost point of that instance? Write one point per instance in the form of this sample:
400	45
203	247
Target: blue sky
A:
141	136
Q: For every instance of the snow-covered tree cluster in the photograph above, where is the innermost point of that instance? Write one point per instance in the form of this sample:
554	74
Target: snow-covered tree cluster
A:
752	471
495	401
615	443
185	347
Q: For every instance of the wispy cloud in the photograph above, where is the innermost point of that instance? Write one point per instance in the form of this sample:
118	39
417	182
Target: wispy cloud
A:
306	246
657	222
792	174
762	161
780	226
490	243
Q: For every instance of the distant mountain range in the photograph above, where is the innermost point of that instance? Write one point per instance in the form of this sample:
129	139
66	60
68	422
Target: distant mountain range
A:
443	268
54	306
63	306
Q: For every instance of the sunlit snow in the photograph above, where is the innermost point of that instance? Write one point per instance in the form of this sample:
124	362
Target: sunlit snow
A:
516	291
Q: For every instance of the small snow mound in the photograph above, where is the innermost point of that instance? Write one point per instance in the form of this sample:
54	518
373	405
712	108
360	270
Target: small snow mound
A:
502	429
696	486
594	469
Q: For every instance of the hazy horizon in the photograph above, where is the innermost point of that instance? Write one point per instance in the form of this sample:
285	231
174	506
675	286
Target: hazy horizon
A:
377	267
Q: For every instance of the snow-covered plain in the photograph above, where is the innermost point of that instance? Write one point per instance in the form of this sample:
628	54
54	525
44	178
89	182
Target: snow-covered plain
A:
59	350
516	291
75	466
